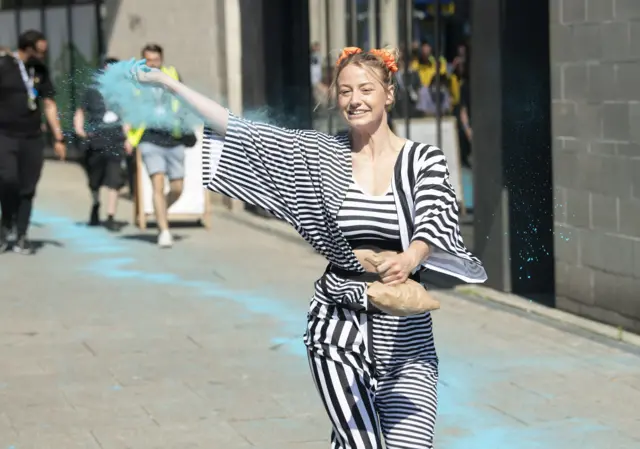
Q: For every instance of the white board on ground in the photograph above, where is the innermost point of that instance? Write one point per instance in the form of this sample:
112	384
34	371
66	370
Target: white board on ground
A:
424	130
193	201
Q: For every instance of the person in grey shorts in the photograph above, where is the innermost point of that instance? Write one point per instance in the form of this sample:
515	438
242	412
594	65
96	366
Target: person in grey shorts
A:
167	160
162	153
163	157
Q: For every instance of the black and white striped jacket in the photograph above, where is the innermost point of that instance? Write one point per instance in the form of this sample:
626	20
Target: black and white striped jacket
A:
302	176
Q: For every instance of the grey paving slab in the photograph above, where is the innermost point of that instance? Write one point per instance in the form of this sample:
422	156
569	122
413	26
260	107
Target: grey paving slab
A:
108	342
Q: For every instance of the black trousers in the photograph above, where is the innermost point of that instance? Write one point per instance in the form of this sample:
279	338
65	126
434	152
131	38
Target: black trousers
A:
21	161
132	172
103	169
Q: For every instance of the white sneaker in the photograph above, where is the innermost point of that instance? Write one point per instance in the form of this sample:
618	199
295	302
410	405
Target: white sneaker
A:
165	240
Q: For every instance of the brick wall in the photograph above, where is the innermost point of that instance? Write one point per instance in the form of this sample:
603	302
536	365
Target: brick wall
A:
595	70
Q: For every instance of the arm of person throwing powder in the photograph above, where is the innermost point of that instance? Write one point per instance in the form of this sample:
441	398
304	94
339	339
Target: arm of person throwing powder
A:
211	111
272	167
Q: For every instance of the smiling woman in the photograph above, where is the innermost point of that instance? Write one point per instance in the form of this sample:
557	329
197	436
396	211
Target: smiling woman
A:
376	372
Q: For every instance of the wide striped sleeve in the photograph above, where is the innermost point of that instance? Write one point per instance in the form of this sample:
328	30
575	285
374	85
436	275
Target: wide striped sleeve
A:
263	165
436	220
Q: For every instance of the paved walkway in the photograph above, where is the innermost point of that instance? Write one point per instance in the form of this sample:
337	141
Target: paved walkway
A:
107	342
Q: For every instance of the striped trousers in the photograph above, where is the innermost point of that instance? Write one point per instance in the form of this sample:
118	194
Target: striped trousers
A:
377	376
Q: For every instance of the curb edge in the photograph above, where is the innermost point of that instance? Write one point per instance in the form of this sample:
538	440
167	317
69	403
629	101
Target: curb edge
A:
606	330
506	299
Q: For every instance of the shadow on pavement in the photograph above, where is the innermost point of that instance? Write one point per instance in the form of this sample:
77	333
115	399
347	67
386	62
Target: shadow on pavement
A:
149	238
119	225
38	244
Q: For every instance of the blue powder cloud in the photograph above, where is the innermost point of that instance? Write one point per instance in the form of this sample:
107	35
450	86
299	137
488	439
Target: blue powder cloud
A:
143	104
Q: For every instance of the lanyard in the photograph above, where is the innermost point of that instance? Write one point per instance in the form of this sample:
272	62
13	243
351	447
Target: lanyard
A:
160	96
26	79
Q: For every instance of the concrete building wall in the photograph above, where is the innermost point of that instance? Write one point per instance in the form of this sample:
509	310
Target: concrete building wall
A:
596	145
201	38
192	34
337	25
389	23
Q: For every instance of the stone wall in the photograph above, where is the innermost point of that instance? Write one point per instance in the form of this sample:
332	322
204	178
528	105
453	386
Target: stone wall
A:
595	70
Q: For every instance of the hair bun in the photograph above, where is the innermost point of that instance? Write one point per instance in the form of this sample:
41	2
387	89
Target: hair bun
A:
387	57
346	52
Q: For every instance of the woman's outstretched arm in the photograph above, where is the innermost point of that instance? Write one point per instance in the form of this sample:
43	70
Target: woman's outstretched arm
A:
275	168
214	114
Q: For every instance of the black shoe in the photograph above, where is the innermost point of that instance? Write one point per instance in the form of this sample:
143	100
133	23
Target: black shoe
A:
94	219
111	225
4	239
23	246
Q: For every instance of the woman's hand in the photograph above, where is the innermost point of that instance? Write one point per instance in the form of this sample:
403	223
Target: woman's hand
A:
148	75
395	268
392	268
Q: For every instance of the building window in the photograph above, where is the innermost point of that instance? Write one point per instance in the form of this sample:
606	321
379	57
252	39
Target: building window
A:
30	4
363	39
358	23
74	49
454	24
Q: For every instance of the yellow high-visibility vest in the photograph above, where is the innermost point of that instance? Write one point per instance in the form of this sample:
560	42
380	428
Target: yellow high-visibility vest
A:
455	87
135	134
427	72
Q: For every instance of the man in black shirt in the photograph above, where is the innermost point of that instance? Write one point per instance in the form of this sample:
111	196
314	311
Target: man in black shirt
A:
105	144
24	81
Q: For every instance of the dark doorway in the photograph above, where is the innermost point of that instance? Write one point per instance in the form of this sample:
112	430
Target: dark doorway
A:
511	109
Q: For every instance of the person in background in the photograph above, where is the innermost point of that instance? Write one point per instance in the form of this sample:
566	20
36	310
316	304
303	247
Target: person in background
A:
316	64
25	91
131	171
408	81
162	151
460	58
456	70
105	145
429	94
425	65
465	120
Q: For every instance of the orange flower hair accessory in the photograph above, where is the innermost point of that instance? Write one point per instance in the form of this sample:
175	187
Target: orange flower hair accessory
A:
388	58
346	52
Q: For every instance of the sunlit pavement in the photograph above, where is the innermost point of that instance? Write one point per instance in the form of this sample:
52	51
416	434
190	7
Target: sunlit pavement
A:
109	342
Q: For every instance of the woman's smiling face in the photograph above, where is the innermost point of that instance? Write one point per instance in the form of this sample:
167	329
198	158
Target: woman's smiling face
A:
362	96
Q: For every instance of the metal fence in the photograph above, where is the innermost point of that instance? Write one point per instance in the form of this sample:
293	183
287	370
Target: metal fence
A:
363	28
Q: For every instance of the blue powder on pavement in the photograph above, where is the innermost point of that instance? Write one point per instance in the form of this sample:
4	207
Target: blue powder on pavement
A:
140	103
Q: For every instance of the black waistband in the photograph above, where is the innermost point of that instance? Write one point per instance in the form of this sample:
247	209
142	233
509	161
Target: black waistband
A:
352	275
361	276
357	276
386	245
